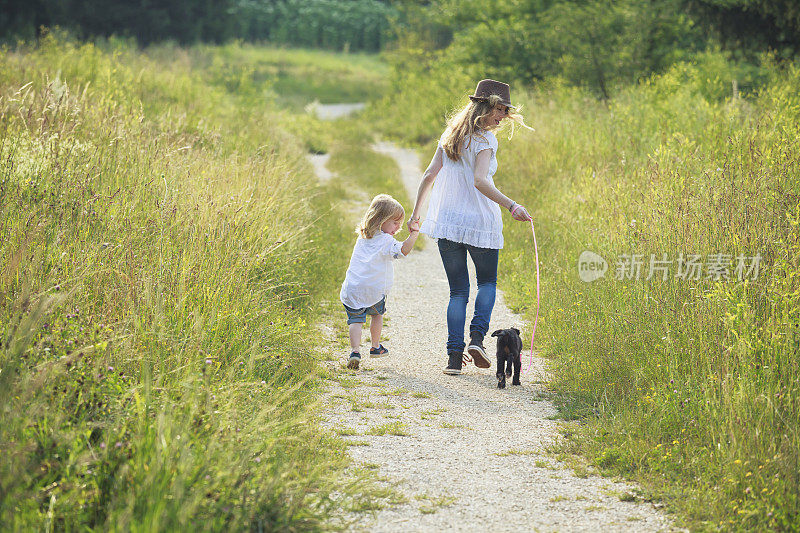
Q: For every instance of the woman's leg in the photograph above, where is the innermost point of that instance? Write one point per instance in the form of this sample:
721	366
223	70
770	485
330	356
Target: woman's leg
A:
454	259
485	260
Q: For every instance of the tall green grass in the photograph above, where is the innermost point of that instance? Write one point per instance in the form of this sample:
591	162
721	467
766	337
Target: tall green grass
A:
689	386
162	246
366	170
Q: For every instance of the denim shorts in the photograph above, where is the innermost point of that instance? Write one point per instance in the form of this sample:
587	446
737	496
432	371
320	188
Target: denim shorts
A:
355	316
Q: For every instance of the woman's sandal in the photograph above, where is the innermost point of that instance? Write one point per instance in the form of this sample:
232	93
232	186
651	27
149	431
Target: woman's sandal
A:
380	351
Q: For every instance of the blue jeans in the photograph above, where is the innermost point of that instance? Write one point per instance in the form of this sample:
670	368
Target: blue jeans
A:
454	259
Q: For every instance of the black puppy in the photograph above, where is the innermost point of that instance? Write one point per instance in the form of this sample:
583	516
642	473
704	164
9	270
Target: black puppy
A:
509	347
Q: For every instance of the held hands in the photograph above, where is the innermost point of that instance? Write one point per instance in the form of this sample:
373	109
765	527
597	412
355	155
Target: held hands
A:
413	224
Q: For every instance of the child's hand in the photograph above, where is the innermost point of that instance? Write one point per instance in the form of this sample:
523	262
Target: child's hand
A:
413	225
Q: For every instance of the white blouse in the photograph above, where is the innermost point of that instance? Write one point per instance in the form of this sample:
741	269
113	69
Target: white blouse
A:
370	274
459	212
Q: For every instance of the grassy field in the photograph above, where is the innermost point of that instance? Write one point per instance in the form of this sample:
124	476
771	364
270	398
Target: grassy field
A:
688	385
286	76
163	246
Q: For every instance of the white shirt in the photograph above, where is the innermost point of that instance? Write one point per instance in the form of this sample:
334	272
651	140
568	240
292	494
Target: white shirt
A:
370	274
457	210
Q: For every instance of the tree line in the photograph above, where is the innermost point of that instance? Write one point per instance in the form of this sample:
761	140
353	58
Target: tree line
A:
598	44
332	24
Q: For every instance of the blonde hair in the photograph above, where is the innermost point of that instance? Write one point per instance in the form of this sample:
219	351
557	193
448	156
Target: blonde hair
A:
382	208
462	125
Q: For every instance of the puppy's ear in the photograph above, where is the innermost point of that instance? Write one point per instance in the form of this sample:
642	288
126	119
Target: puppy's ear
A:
497	333
515	329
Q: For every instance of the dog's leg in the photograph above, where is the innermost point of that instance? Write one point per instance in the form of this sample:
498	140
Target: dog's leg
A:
505	367
501	377
517	368
509	363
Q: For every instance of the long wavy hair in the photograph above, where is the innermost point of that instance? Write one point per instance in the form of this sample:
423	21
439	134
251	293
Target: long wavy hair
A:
466	122
382	208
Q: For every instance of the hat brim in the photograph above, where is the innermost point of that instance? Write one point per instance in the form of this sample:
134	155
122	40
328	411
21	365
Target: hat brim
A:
483	99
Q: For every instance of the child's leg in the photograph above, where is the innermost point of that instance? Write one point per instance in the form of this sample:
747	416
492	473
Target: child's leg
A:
355	336
375	327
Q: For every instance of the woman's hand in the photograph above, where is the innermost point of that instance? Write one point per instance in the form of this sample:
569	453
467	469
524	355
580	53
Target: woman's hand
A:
413	224
520	213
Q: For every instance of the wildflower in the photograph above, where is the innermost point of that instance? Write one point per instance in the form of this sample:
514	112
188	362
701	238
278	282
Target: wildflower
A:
208	361
118	445
111	369
102	445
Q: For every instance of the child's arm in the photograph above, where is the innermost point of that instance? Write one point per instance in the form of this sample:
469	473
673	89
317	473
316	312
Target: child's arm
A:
408	244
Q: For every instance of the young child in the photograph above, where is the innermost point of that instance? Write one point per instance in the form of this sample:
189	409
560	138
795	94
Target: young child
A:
369	276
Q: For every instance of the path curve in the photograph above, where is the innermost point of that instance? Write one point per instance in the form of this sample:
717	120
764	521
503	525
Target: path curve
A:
334	111
473	458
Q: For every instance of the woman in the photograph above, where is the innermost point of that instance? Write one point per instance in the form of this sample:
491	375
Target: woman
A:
464	214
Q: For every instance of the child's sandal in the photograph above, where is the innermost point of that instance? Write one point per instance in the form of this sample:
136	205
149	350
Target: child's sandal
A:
380	351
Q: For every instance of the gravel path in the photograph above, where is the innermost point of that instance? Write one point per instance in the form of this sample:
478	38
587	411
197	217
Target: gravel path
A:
320	164
463	455
334	111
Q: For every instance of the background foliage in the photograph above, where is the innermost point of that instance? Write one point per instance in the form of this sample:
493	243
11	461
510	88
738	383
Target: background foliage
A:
597	44
333	24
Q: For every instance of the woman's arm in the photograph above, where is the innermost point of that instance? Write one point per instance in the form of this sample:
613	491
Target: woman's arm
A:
408	244
428	177
483	185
